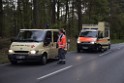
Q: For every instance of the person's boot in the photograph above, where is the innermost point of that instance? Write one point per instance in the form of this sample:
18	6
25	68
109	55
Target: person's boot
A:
59	62
63	61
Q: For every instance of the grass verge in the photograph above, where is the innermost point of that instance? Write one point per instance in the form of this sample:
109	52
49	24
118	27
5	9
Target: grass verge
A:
114	41
4	45
3	56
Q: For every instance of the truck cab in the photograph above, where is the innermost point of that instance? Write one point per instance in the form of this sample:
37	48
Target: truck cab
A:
94	37
34	45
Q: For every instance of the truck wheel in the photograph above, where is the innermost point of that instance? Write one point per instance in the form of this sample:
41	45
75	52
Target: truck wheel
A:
99	48
43	60
78	50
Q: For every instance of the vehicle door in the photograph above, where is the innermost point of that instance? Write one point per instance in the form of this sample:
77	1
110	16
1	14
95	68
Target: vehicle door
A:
55	39
48	43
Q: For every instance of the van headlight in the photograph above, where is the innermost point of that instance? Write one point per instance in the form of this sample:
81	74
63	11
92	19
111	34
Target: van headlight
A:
33	52
92	42
78	41
11	51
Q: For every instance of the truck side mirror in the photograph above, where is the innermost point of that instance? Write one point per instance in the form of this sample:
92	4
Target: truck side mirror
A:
100	36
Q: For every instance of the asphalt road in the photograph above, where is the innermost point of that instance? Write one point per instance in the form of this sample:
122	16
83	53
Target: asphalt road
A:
107	67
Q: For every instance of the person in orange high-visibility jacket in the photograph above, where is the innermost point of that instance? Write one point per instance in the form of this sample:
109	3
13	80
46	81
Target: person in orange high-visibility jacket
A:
62	45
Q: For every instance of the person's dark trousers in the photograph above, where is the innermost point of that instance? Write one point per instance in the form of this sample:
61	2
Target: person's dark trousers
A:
61	55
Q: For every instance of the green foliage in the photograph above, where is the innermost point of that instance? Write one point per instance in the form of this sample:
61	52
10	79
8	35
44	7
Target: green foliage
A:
21	14
115	41
116	19
98	10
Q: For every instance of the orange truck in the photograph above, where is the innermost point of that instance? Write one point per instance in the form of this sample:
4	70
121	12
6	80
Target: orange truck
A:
94	37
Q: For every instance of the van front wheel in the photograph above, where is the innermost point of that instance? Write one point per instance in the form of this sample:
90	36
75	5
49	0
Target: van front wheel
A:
43	60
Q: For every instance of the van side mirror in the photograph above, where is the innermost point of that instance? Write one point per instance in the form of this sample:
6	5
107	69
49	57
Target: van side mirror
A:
47	41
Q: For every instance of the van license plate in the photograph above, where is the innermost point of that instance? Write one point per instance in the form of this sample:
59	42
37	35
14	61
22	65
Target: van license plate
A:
85	47
20	57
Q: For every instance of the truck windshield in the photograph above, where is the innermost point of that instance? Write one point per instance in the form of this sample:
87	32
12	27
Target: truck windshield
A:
30	36
88	34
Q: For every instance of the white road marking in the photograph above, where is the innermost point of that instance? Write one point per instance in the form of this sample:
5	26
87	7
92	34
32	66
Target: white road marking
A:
55	72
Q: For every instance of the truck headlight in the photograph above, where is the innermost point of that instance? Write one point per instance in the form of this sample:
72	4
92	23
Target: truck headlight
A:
92	42
11	51
33	52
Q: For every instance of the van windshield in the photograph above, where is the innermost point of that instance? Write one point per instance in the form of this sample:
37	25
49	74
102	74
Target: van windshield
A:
30	36
88	34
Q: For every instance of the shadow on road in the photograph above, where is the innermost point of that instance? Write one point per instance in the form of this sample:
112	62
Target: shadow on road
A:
21	64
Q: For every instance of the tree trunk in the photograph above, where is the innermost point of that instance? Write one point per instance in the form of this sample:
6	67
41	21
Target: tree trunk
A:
53	18
36	15
58	10
26	13
66	13
79	15
90	10
1	18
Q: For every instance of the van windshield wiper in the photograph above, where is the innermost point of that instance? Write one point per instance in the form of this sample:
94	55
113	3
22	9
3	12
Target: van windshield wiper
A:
82	36
89	36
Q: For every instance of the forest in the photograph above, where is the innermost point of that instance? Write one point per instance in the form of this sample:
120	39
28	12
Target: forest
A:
67	14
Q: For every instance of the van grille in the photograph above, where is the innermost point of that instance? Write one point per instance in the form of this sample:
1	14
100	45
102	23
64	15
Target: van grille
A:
21	51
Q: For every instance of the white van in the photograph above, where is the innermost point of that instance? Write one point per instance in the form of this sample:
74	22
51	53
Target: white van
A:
94	37
34	45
